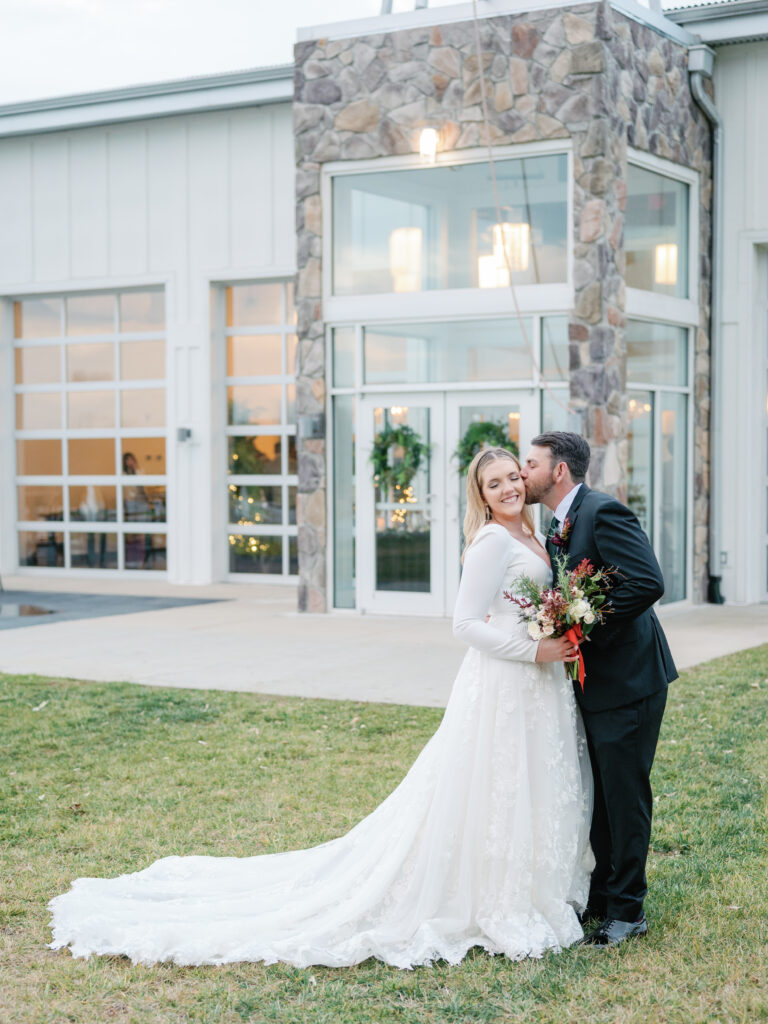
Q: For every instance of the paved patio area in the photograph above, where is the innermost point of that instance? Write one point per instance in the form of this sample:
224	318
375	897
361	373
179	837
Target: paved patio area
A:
250	637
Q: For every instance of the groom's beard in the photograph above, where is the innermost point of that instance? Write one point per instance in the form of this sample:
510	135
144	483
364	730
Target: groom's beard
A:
537	495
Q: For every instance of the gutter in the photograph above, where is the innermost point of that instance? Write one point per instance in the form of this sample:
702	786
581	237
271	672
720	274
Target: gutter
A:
701	62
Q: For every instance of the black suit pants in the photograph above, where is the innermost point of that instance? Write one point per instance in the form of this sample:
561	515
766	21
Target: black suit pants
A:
622	743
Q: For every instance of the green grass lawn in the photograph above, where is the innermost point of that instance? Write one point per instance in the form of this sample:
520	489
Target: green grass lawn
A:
101	779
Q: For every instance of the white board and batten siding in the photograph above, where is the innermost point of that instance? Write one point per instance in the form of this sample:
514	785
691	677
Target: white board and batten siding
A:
181	201
741	88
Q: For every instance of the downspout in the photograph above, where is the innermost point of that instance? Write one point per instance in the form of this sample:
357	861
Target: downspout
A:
701	62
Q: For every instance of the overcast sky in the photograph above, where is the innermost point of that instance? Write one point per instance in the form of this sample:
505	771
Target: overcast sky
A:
57	47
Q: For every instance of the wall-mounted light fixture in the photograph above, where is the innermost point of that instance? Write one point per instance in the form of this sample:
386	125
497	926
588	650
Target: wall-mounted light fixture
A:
405	259
428	140
665	264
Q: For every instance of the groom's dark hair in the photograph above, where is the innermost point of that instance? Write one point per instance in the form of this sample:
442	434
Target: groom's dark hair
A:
569	448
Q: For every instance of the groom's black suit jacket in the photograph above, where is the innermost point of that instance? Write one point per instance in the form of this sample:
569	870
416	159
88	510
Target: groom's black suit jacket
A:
627	657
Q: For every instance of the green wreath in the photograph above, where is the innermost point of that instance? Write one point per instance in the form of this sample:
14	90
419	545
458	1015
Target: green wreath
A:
385	473
479	436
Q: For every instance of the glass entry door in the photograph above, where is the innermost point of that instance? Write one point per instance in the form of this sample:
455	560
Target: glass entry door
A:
410	513
401	522
498	418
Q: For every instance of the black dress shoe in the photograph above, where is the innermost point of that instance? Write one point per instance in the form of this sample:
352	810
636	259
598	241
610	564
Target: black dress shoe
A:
612	932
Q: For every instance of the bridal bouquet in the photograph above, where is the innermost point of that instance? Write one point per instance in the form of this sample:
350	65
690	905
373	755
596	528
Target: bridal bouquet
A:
572	607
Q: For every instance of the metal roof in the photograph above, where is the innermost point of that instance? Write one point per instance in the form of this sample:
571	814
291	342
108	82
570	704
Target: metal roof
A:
252	87
723	21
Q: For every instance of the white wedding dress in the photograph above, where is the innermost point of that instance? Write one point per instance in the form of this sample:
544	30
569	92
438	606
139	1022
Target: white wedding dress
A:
484	843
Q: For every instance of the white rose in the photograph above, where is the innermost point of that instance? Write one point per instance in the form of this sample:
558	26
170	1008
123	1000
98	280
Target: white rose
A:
534	631
548	630
589	618
578	610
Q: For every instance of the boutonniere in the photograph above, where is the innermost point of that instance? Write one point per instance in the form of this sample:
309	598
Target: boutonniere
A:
560	537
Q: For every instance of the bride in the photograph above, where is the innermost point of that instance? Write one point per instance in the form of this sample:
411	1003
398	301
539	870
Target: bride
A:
484	843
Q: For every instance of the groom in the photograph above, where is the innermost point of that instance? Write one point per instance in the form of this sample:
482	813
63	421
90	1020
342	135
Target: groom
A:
628	666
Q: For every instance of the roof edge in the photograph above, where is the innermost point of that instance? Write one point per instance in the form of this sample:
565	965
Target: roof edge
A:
255	86
427	16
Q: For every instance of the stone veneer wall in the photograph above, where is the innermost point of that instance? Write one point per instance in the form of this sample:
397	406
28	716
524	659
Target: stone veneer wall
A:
586	73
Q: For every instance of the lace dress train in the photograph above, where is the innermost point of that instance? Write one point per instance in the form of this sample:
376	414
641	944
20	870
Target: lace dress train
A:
484	843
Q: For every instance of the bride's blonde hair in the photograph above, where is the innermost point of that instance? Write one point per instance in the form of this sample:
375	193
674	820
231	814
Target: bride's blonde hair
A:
478	513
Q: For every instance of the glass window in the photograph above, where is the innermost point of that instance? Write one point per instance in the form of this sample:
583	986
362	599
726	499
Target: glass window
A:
37	318
555	358
91	456
344	501
38	365
674	486
143	502
75	480
257	504
38	458
256	355
142	360
142	311
291	348
91	362
251	553
145	551
95	504
257	404
255	455
90	314
40	502
93	550
251	305
640	462
42	549
436	228
343	345
90	410
657	353
258	340
656	232
142	408
143	455
469	350
40	410
554	411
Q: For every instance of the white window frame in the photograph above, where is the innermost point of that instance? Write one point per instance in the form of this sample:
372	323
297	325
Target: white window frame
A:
222	432
448	303
67	527
531	387
657	389
651	305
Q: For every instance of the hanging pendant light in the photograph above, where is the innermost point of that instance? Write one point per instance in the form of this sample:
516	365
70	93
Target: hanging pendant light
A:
405	259
665	264
511	249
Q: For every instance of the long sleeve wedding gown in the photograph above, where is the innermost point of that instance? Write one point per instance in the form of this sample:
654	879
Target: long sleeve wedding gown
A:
484	843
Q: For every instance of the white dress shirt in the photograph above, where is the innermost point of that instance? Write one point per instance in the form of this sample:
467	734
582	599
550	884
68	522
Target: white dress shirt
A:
564	507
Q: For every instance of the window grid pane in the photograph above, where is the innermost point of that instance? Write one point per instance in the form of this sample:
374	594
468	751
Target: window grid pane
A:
434	228
258	340
76	479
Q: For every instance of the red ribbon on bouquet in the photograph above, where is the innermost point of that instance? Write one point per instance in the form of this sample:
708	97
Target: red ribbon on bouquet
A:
575	635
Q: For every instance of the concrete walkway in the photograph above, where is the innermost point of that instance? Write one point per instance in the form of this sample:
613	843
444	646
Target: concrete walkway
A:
249	637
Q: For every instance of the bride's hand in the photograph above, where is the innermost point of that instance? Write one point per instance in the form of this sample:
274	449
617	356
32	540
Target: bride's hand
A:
557	649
